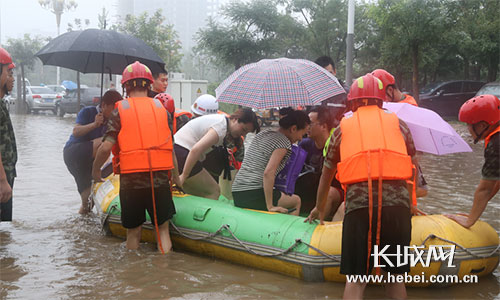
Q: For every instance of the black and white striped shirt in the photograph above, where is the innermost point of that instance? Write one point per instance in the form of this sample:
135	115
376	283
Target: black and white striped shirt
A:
251	174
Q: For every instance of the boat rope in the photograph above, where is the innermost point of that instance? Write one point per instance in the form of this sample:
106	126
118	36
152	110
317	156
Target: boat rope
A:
250	250
433	236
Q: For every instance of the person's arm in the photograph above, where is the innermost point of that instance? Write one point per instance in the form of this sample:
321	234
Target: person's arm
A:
485	190
5	188
209	139
326	178
101	157
81	130
269	178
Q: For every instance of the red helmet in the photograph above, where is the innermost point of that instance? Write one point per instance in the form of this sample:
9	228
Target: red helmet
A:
12	66
481	108
167	101
386	77
5	57
136	71
366	87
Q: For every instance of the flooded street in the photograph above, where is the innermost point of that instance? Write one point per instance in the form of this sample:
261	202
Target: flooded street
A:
49	251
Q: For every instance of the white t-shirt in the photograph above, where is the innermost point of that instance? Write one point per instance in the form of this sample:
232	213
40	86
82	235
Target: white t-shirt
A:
196	128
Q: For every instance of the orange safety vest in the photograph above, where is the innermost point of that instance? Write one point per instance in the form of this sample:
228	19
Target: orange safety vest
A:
179	112
372	147
488	138
409	99
144	141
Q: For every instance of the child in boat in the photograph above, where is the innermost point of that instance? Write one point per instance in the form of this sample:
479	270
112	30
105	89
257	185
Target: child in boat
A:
377	211
266	156
482	115
195	140
81	148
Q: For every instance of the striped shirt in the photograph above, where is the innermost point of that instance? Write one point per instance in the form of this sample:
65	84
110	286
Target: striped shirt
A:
251	174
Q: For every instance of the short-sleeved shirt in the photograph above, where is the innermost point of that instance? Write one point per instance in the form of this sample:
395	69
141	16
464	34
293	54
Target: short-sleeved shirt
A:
251	174
491	167
8	147
195	130
394	192
86	116
134	180
314	157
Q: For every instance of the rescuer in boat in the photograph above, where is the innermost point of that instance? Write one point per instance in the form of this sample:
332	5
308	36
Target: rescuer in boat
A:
82	145
140	137
482	115
377	205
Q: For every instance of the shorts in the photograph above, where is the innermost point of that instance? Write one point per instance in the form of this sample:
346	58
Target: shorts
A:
134	203
395	230
307	189
254	199
181	154
78	159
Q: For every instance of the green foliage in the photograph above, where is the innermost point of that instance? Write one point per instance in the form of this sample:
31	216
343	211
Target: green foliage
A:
23	49
159	36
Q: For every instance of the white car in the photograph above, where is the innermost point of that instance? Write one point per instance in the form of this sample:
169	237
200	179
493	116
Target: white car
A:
41	98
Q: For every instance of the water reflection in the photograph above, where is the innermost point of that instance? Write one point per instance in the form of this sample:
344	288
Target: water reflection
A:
50	252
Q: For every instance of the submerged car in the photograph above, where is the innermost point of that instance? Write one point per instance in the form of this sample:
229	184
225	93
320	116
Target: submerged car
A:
41	98
492	88
69	103
446	98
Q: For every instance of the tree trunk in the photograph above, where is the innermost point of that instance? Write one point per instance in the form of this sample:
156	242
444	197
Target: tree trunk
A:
493	66
466	69
19	102
25	104
415	71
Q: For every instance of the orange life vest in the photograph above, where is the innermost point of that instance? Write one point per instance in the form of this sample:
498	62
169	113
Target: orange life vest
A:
144	141
179	112
372	146
409	99
488	138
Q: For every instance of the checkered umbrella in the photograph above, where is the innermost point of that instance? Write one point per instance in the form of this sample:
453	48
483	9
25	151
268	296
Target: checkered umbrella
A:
279	82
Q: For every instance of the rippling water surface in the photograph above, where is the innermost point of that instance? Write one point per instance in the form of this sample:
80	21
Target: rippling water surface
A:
51	252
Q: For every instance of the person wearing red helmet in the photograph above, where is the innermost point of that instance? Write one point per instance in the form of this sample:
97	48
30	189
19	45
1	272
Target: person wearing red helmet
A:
179	117
391	89
377	203
482	115
8	149
139	135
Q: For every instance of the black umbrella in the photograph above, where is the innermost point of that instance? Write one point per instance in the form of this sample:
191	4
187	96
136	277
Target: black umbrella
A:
99	51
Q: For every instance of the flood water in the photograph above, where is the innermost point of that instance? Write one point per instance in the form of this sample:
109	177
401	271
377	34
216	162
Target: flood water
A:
49	251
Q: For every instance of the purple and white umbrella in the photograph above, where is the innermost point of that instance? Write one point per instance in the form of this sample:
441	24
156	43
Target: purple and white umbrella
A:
430	132
279	82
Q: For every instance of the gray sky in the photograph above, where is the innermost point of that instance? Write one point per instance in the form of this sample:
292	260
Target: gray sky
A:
18	17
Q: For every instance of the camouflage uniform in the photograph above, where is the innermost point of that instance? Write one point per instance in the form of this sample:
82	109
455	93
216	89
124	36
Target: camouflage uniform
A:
394	192
491	166
135	180
8	150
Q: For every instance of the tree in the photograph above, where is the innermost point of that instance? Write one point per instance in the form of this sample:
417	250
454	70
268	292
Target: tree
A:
255	30
152	30
23	53
78	24
103	19
408	26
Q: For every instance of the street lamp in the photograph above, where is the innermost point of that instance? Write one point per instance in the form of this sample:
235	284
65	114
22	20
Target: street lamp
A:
58	7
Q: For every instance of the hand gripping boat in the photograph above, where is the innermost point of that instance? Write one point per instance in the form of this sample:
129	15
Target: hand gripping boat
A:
285	244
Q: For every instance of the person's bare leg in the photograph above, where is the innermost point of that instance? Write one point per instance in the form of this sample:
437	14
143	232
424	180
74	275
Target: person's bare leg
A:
289	202
95	145
166	242
202	185
339	215
85	208
396	290
134	237
354	290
